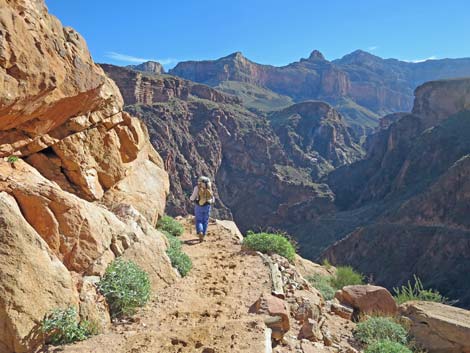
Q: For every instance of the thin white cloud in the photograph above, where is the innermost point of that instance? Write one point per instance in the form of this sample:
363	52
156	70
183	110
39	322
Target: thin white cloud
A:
373	47
135	59
421	60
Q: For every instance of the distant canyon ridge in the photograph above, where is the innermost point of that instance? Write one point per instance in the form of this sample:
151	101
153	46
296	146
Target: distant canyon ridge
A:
361	86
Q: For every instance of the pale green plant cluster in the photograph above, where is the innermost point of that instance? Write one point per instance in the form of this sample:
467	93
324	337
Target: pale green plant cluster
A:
416	291
178	258
269	243
62	326
328	285
172	230
125	287
170	225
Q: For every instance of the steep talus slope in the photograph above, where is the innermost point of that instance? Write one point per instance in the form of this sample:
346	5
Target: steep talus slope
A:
360	85
81	184
260	178
412	190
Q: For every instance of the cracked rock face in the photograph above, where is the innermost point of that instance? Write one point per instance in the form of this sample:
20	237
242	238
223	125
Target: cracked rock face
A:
80	157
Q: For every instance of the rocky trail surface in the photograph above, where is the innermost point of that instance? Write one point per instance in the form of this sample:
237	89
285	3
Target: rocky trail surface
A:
207	311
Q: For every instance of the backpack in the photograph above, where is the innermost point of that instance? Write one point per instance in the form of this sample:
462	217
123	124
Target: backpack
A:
205	194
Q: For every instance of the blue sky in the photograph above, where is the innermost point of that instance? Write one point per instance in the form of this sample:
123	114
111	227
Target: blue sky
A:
266	31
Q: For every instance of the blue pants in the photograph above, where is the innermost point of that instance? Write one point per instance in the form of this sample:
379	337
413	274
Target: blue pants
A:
202	214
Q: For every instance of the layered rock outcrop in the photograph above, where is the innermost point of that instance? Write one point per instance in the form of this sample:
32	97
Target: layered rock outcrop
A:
75	162
360	85
438	328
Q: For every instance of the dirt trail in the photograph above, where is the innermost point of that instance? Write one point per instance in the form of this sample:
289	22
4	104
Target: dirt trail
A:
207	311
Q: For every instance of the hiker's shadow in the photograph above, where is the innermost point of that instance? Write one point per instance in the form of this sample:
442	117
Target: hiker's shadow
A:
192	241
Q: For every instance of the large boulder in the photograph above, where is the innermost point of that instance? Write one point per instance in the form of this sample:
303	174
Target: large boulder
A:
47	76
76	231
368	299
33	281
439	328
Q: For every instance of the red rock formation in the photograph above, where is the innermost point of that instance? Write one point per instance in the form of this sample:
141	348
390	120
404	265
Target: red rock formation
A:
369	85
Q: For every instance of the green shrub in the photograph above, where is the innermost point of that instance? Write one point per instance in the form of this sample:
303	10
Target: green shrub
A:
12	159
61	326
322	284
416	291
346	276
387	346
380	328
270	243
170	225
125	286
178	258
326	264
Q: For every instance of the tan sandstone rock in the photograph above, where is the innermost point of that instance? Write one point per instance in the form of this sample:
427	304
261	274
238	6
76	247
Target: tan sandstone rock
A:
344	311
309	268
64	116
437	327
368	299
148	255
93	306
47	76
278	320
76	231
58	108
33	281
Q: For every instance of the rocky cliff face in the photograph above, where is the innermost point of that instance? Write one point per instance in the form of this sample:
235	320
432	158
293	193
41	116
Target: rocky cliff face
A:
361	86
413	196
315	137
151	67
260	179
87	185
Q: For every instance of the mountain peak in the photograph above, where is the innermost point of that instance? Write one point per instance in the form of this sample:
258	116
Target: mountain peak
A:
152	67
359	56
316	55
238	55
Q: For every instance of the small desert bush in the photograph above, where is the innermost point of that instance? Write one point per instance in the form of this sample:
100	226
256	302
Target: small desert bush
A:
178	258
125	286
170	225
322	284
270	243
346	276
380	328
61	326
326	264
416	291
387	346
12	159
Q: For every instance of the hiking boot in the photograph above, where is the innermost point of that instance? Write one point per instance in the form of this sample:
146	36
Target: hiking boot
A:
201	236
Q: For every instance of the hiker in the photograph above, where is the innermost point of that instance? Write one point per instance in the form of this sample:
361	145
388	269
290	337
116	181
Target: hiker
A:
203	198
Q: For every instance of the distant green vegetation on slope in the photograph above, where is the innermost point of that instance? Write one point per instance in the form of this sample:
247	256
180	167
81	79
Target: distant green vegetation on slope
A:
255	97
